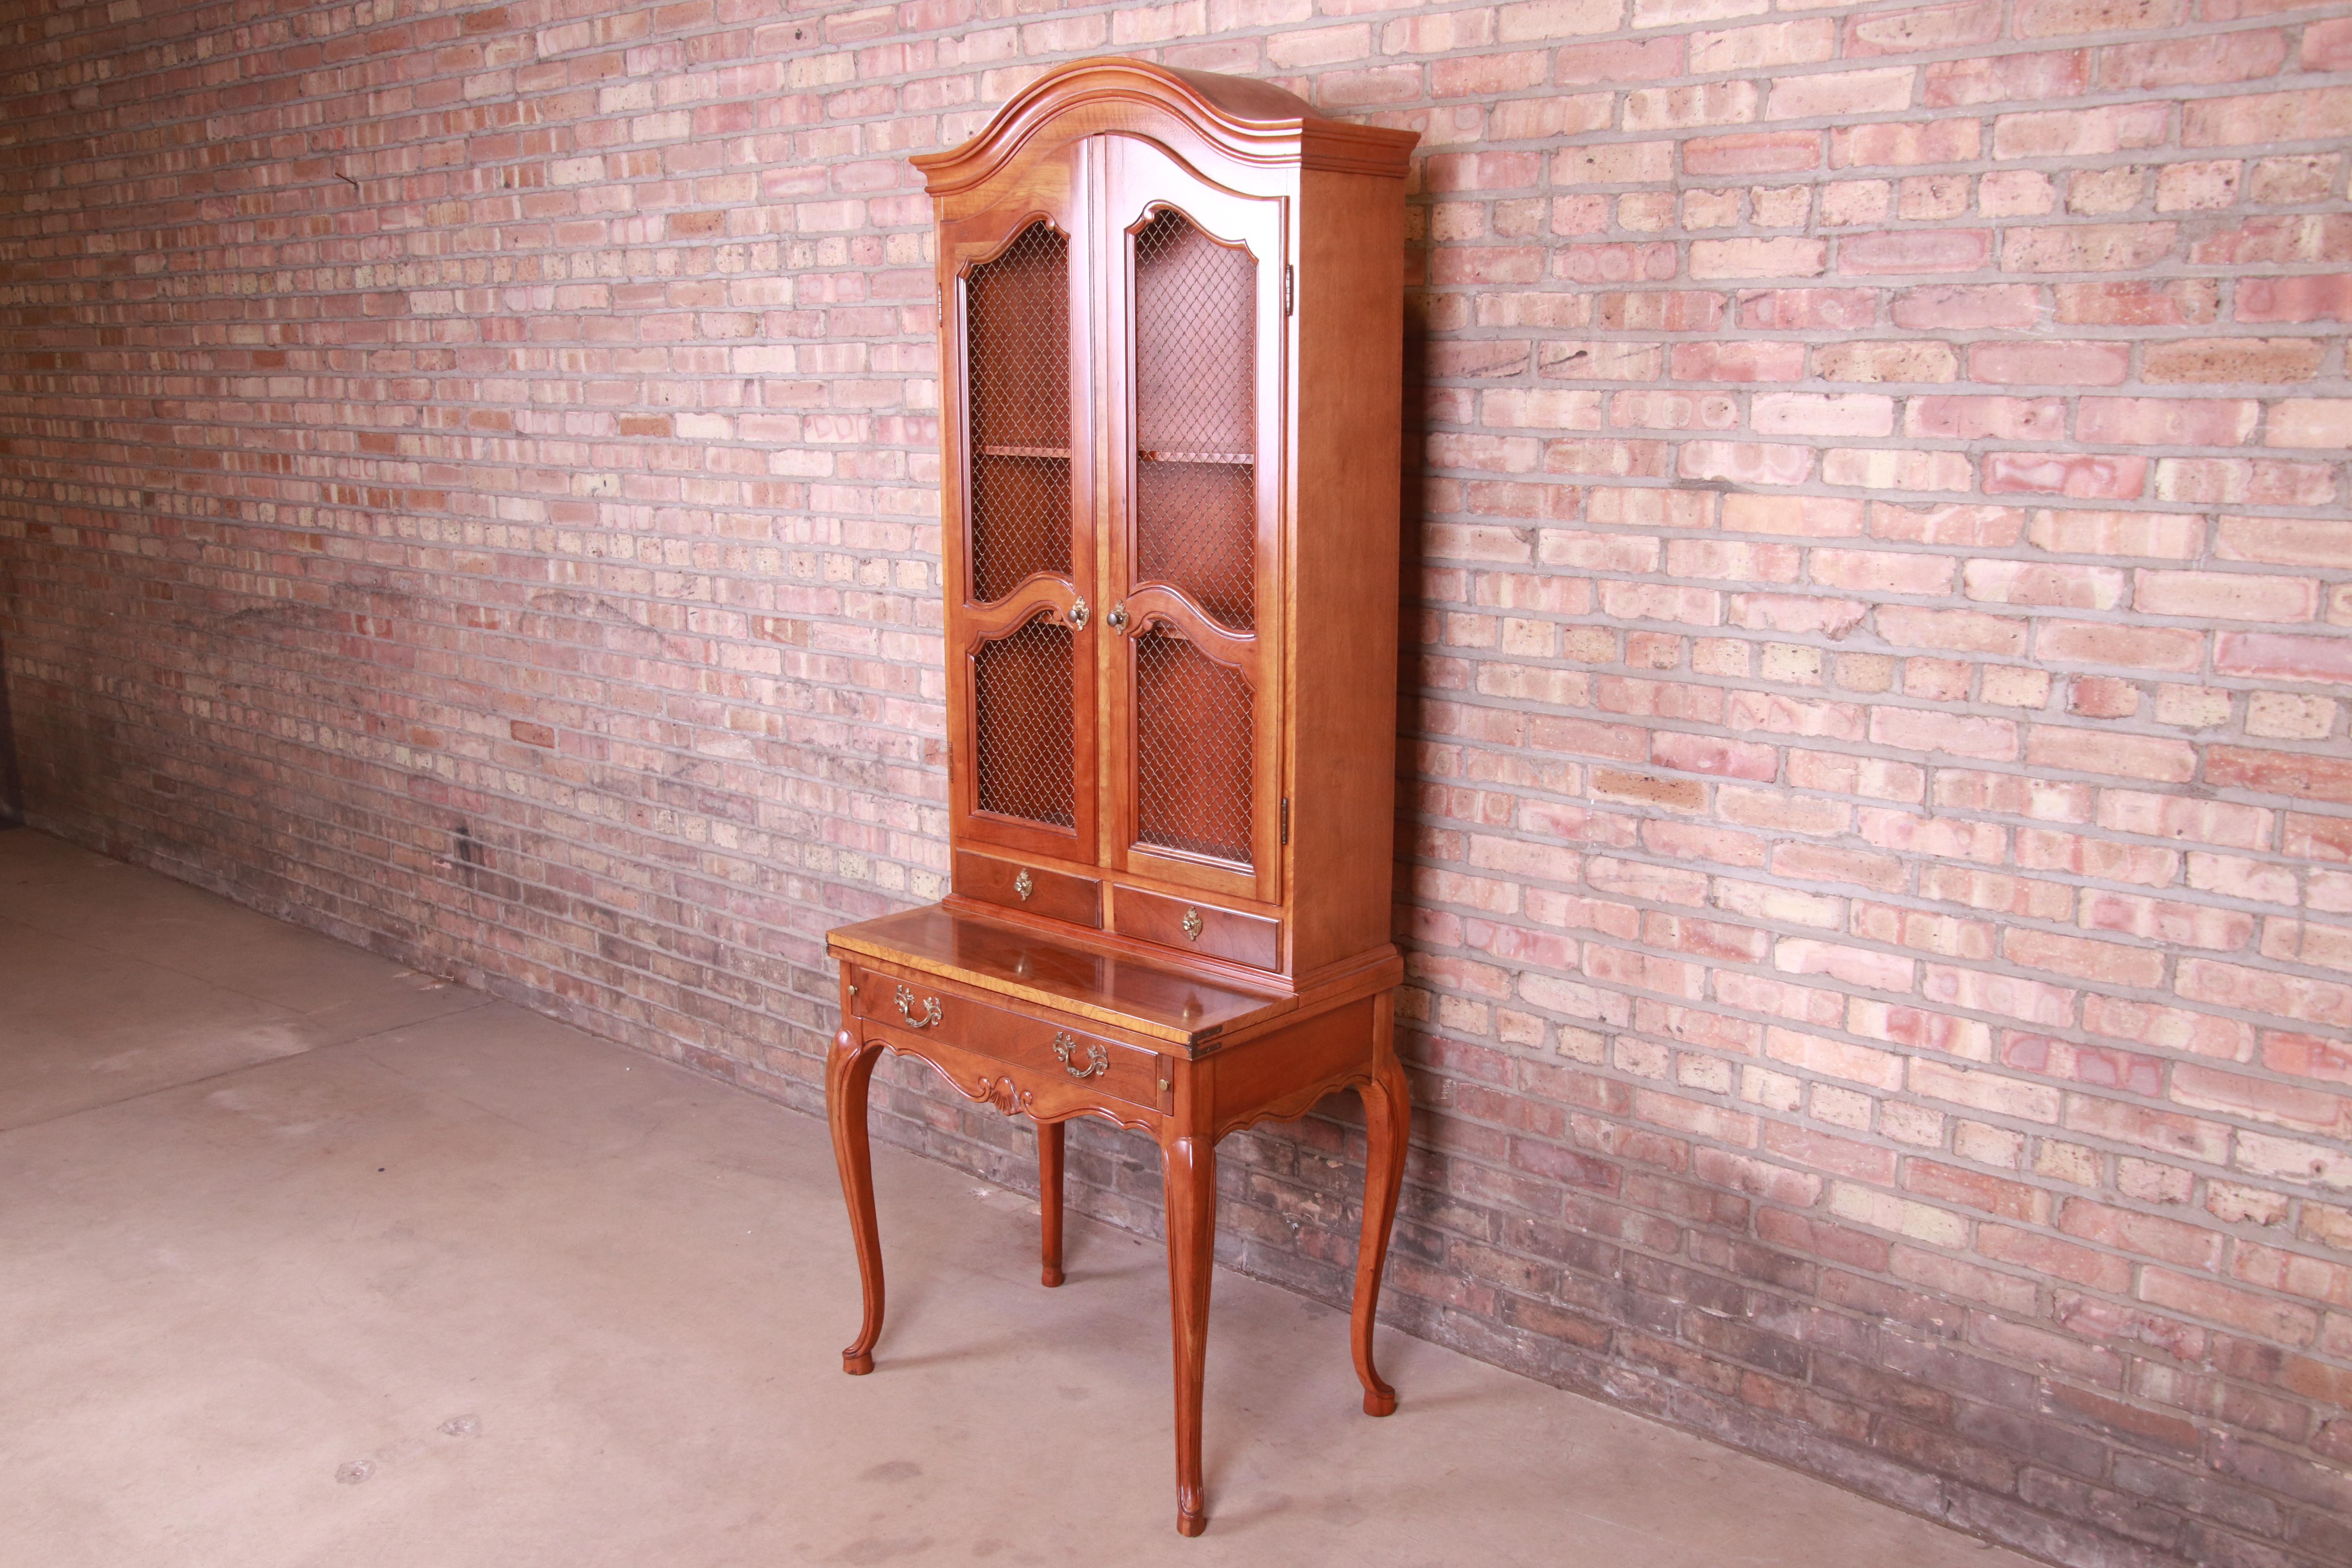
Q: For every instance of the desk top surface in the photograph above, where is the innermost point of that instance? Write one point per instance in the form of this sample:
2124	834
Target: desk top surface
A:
1116	988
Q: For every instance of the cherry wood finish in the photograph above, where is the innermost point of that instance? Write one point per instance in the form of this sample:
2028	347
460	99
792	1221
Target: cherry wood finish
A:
1182	923
1171	322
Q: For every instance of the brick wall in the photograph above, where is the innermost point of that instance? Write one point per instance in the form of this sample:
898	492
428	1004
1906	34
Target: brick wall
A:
1879	817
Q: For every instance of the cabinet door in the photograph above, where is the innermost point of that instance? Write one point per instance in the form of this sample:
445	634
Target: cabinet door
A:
1019	528
1193	346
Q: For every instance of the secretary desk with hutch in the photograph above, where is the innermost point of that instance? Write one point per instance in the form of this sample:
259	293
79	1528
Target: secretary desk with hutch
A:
1170	343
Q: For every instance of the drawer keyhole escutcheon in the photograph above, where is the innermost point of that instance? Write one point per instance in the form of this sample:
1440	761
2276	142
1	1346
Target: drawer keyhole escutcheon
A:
1025	884
1098	1058
907	1009
1191	925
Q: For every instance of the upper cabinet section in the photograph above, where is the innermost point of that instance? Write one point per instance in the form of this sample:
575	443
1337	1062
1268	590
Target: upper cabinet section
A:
1158	537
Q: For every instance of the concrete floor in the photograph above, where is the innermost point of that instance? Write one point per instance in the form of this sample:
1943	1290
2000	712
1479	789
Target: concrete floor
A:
306	1259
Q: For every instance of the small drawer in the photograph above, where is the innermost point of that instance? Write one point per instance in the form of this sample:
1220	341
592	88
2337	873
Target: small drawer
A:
1193	927
1056	895
1050	1049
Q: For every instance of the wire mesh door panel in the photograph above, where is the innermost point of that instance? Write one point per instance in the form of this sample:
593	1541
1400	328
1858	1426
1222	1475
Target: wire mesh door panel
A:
1023	726
1195	749
1196	503
1017	381
1020	536
1195	533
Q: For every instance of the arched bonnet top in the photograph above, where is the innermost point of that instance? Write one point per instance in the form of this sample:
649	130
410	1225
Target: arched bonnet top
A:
1250	122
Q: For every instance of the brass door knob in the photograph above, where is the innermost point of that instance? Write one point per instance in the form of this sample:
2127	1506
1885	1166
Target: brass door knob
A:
1117	619
1078	614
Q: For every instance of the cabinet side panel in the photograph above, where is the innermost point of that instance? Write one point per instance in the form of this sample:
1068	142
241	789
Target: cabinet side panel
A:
1343	625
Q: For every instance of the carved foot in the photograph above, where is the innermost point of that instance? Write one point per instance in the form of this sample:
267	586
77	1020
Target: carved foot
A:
1190	1523
857	1364
1383	1402
1052	1277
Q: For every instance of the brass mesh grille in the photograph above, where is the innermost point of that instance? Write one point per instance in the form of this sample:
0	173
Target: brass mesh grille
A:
1196	417
1017	371
1021	724
1195	737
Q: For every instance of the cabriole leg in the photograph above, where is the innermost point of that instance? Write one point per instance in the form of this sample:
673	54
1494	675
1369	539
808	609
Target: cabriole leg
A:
1388	1119
1189	1169
848	1071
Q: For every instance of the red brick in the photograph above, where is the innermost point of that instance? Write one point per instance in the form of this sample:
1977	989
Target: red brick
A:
2192	61
2227	596
2055	18
1753	153
2277	1321
1915	250
2281	658
1751	361
2089	248
1937	306
1889	143
2007	79
2187	301
2060	1259
2095	642
2083	476
1941	27
2323	296
2232	359
2167	421
1623	62
2051	363
1800	310
2315	113
2113	752
2106	962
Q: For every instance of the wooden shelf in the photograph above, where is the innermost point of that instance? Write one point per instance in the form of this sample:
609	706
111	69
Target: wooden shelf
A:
1198	456
1061	452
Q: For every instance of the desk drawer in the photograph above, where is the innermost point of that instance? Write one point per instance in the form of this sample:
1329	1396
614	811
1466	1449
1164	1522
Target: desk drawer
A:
1191	926
1048	1047
1056	895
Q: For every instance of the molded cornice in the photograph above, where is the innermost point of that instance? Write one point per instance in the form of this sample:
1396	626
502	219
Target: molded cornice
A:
1247	121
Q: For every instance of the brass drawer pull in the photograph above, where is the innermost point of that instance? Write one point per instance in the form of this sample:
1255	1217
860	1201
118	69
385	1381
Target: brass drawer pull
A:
1191	925
1025	884
907	1009
1098	1058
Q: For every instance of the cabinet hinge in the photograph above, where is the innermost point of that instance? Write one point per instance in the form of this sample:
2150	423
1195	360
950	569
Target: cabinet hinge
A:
1290	289
1286	819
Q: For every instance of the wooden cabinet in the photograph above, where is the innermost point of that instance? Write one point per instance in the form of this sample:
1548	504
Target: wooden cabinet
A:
1170	380
1170	363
